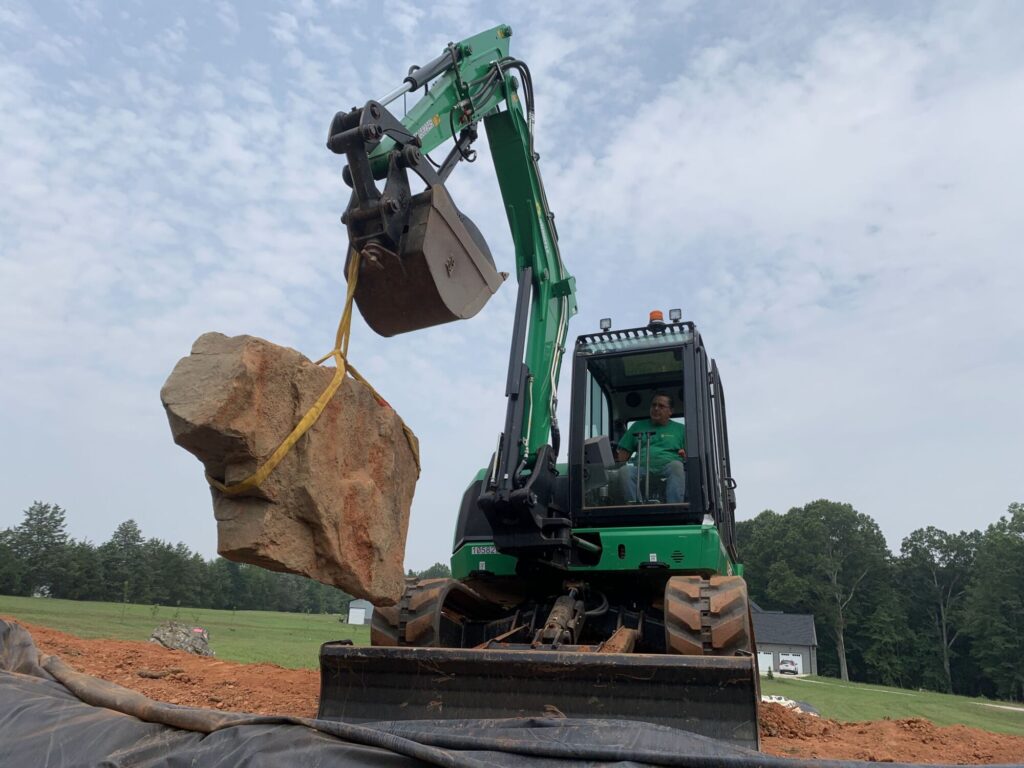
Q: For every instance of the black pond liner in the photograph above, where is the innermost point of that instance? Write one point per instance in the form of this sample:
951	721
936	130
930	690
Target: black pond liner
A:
52	716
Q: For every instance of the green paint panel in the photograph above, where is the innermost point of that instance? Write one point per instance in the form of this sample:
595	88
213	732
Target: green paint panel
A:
481	556
688	549
682	548
456	99
428	117
553	298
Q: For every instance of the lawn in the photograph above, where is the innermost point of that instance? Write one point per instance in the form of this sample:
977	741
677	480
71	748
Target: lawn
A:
287	639
857	701
294	639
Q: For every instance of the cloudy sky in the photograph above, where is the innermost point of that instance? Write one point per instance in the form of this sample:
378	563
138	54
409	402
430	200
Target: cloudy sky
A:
833	192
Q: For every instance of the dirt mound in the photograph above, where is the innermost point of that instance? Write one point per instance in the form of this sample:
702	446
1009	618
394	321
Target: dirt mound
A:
178	677
182	678
913	740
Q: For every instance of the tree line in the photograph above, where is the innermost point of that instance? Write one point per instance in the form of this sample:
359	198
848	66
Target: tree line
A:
38	557
946	613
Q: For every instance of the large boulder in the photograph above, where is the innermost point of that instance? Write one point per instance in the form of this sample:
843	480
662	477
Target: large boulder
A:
336	509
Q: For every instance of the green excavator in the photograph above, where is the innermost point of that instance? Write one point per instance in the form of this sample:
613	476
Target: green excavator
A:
590	586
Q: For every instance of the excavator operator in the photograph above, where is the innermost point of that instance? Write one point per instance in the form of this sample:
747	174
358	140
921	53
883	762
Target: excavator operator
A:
660	445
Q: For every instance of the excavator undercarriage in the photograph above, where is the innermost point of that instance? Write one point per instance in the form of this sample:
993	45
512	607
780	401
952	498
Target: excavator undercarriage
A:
448	652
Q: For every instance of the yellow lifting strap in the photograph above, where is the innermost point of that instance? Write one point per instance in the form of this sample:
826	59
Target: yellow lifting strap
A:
340	356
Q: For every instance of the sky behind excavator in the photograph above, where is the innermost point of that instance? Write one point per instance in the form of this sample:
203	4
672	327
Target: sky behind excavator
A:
832	191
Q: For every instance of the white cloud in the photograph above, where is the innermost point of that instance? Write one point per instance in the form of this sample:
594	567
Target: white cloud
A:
227	14
284	27
87	11
306	8
165	49
403	16
14	18
833	198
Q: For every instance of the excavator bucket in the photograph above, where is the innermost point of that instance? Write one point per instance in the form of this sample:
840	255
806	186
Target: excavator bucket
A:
442	272
714	696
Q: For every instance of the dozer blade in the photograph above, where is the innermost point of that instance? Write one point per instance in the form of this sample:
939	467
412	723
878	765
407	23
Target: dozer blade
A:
442	272
713	696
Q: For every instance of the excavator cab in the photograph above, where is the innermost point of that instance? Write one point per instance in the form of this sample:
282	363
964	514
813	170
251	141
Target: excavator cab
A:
616	376
646	617
618	391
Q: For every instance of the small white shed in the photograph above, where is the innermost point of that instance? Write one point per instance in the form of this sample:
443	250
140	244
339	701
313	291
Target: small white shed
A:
360	611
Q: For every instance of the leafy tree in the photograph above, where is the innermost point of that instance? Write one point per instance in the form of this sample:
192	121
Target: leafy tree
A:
219	584
849	560
124	565
935	568
85	577
884	636
756	540
40	542
995	604
239	586
827	559
187	588
315	600
166	572
12	569
436	571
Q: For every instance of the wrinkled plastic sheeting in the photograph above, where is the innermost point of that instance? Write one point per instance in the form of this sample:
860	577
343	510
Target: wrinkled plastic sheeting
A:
52	716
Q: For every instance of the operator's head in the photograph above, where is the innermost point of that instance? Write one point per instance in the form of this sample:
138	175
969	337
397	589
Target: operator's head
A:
661	408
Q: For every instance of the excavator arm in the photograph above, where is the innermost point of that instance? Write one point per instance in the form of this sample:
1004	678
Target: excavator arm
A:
422	262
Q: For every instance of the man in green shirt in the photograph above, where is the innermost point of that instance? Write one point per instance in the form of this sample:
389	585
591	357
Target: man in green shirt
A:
660	445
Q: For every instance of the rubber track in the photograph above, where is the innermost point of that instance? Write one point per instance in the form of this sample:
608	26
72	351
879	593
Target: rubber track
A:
414	621
707	617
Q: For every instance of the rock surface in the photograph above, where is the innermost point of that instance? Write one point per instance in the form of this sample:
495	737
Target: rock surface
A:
182	637
336	509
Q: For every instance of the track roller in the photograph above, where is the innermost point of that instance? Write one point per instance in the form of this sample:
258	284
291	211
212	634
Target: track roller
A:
430	614
707	617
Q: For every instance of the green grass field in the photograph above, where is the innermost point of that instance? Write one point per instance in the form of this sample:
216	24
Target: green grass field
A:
286	639
856	701
293	640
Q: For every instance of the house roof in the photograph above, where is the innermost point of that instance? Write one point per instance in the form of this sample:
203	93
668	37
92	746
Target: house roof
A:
780	628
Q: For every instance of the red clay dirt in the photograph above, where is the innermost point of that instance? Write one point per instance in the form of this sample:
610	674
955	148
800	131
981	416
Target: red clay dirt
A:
181	678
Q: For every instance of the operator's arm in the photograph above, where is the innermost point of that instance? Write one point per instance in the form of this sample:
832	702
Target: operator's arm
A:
626	446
